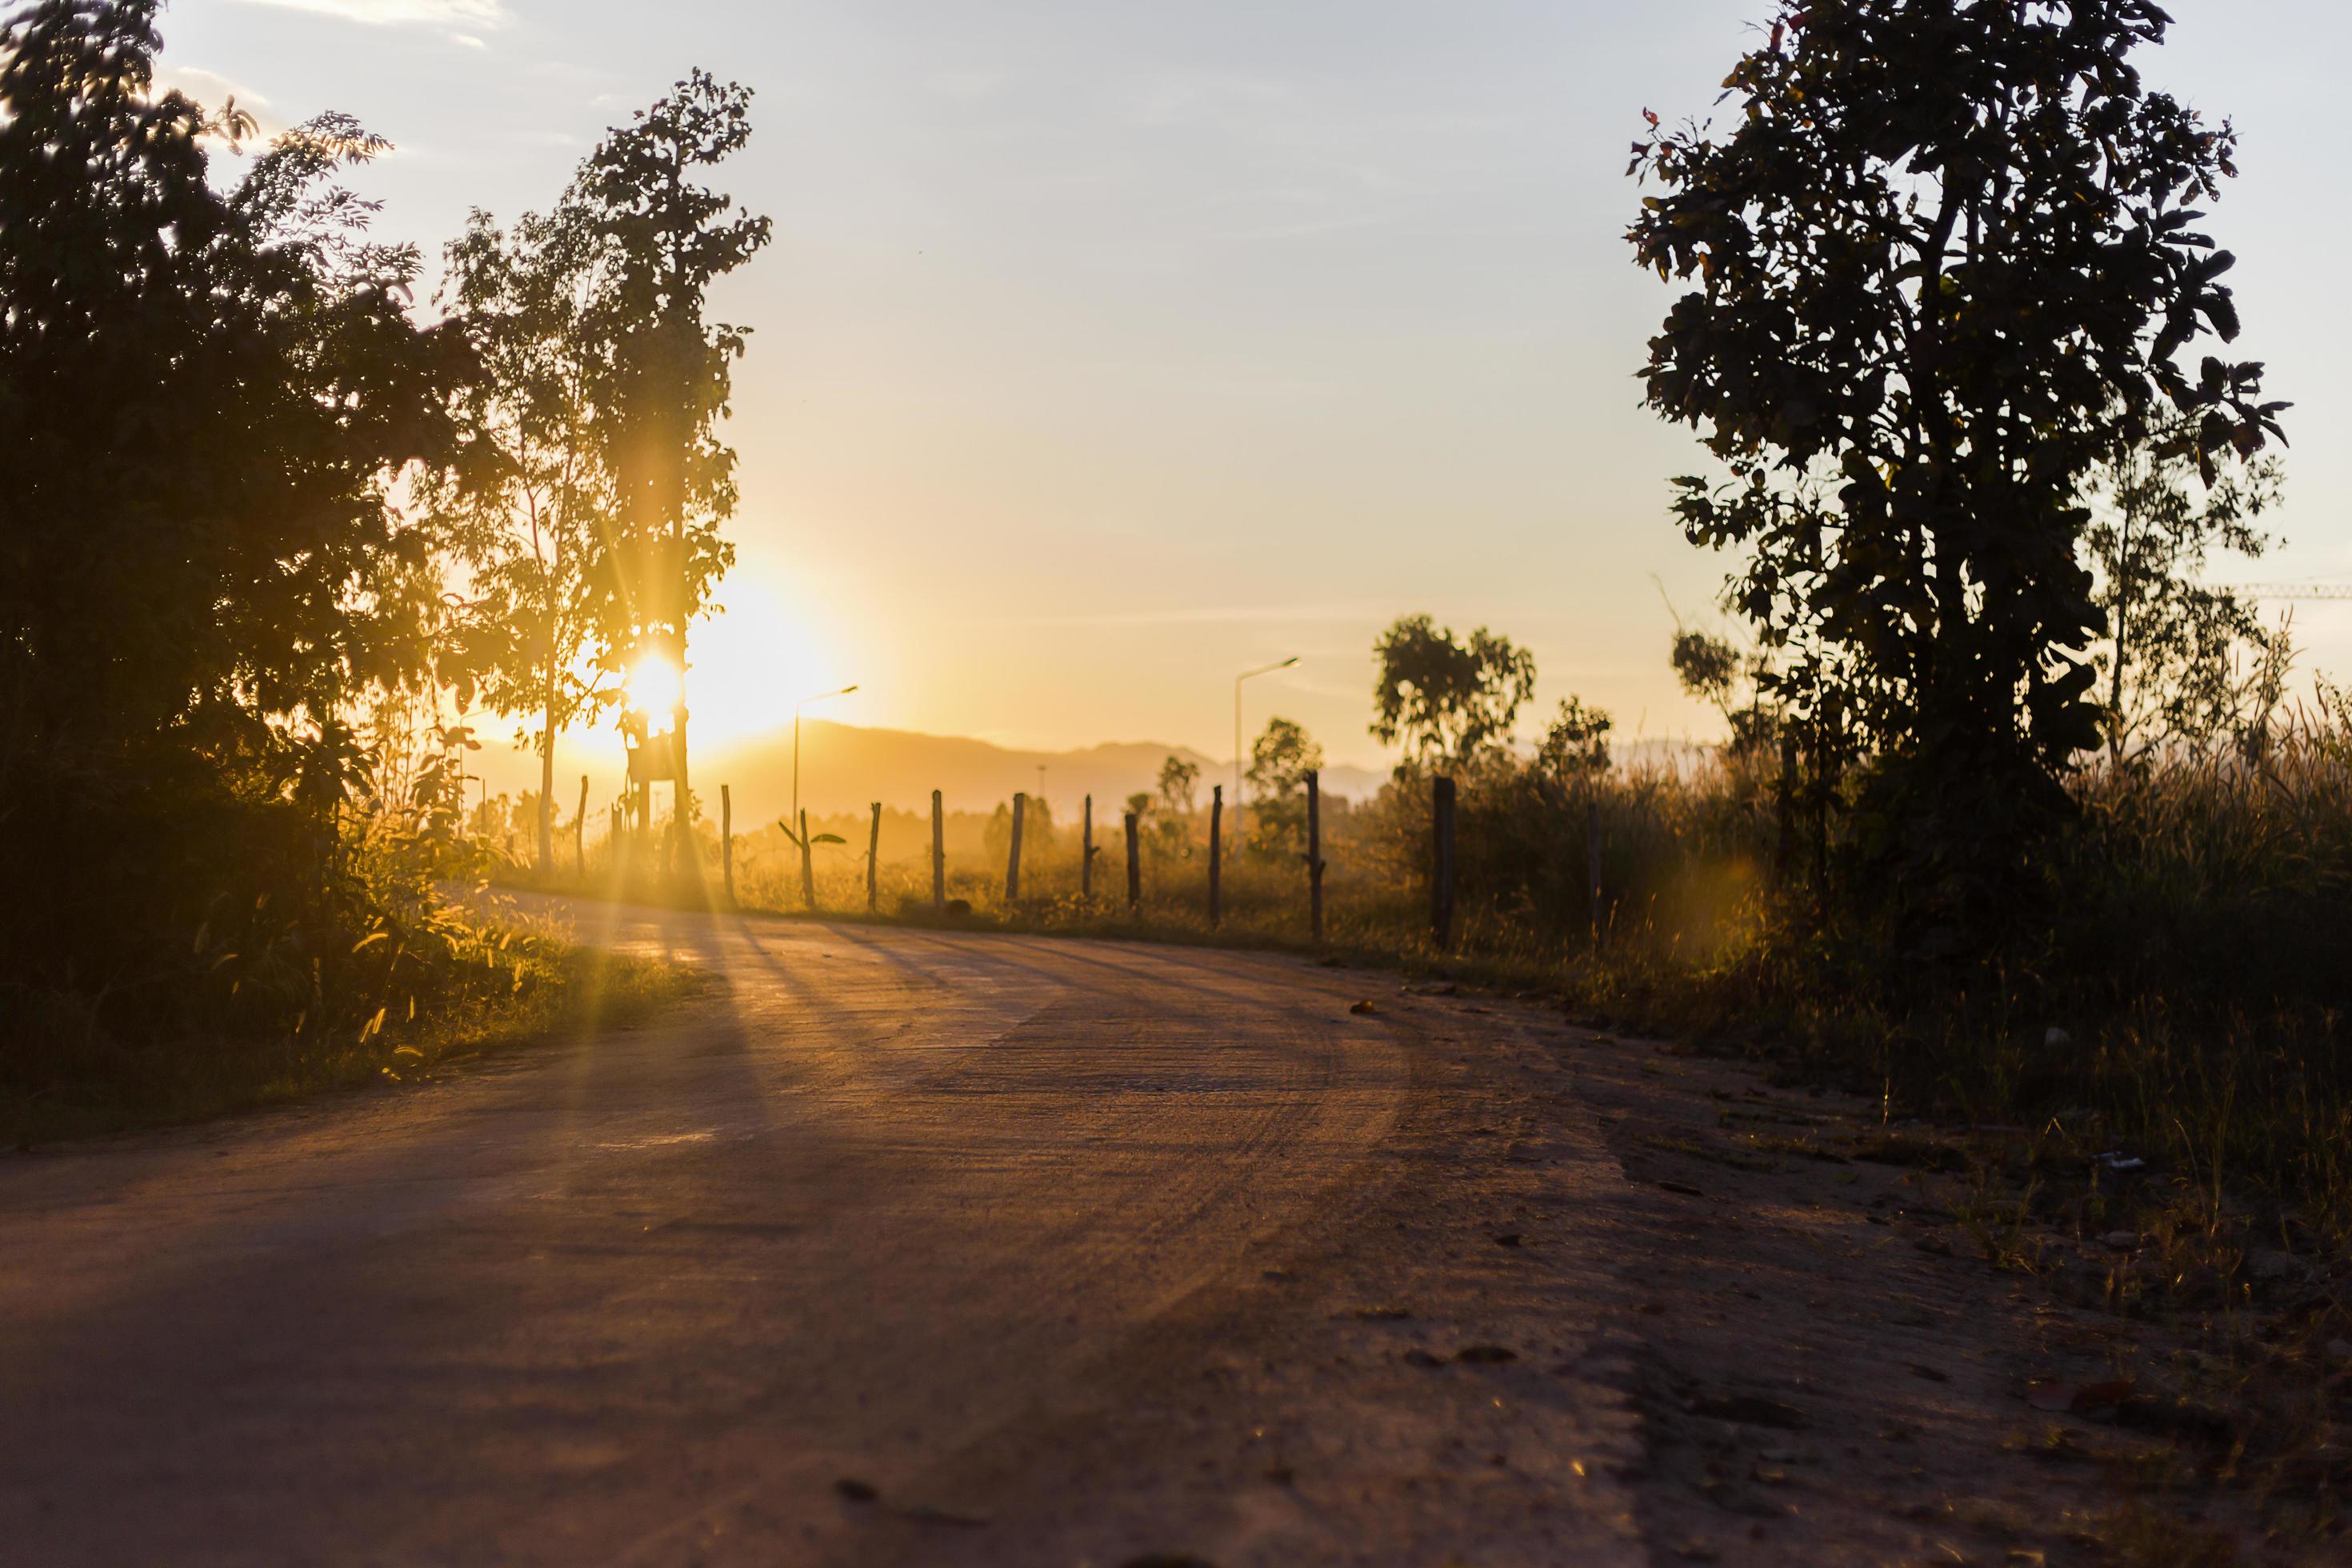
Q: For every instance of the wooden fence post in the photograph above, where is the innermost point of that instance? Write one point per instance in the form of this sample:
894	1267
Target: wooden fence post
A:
1441	870
580	832
808	866
727	840
1315	857
1013	860
873	860
938	856
1216	850
1592	855
1087	854
1134	867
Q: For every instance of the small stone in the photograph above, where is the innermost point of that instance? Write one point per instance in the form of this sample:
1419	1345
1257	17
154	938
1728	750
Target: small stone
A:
2120	1240
2055	1039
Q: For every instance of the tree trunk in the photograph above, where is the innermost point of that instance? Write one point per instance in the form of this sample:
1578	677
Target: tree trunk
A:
547	795
727	840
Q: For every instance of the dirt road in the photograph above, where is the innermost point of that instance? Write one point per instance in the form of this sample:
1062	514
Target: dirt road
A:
923	1249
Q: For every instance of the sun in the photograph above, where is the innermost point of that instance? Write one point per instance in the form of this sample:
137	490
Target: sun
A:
654	688
773	646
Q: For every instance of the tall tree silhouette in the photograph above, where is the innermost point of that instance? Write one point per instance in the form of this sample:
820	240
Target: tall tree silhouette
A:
664	383
202	398
1946	257
529	510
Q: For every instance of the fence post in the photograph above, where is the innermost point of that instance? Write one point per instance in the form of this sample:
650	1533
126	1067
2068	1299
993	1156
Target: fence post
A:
808	866
873	860
1440	871
1216	847
1592	855
1087	854
1315	857
1013	860
580	832
1134	868
938	856
727	840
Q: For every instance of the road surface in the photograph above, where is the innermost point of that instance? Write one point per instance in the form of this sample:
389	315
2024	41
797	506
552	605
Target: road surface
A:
903	1248
907	1247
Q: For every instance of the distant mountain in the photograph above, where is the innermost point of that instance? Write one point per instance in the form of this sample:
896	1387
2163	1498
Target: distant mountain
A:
844	766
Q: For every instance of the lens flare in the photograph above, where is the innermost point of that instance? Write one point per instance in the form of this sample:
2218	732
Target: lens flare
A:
655	688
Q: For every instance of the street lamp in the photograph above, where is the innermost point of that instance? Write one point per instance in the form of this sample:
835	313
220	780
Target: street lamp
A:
1245	675
817	697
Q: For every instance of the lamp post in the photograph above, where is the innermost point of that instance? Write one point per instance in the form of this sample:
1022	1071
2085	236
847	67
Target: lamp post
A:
1245	675
815	697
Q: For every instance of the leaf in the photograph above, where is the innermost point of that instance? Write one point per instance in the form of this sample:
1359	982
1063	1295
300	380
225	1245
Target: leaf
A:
828	838
371	937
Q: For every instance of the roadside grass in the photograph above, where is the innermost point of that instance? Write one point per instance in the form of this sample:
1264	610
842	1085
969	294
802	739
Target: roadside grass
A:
511	986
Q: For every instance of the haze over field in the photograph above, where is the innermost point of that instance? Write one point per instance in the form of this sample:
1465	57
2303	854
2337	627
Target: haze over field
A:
845	766
1105	350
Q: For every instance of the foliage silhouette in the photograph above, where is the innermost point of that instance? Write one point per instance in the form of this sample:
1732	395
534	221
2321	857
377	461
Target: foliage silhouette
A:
1446	697
2179	653
1280	760
1945	259
206	398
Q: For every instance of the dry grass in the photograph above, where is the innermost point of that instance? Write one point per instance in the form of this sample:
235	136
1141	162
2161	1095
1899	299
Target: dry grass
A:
501	986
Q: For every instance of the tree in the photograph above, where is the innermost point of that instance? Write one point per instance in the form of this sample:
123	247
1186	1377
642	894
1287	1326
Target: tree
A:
1280	761
205	398
1576	746
1716	671
1178	780
526	512
663	374
1946	259
2171	667
1444	697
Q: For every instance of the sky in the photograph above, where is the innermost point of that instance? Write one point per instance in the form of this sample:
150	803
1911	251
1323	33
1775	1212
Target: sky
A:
1105	350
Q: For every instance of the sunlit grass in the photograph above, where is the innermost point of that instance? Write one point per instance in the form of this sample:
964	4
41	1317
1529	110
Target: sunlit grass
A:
508	986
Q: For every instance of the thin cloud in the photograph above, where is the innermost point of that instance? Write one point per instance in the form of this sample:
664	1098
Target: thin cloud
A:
402	13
